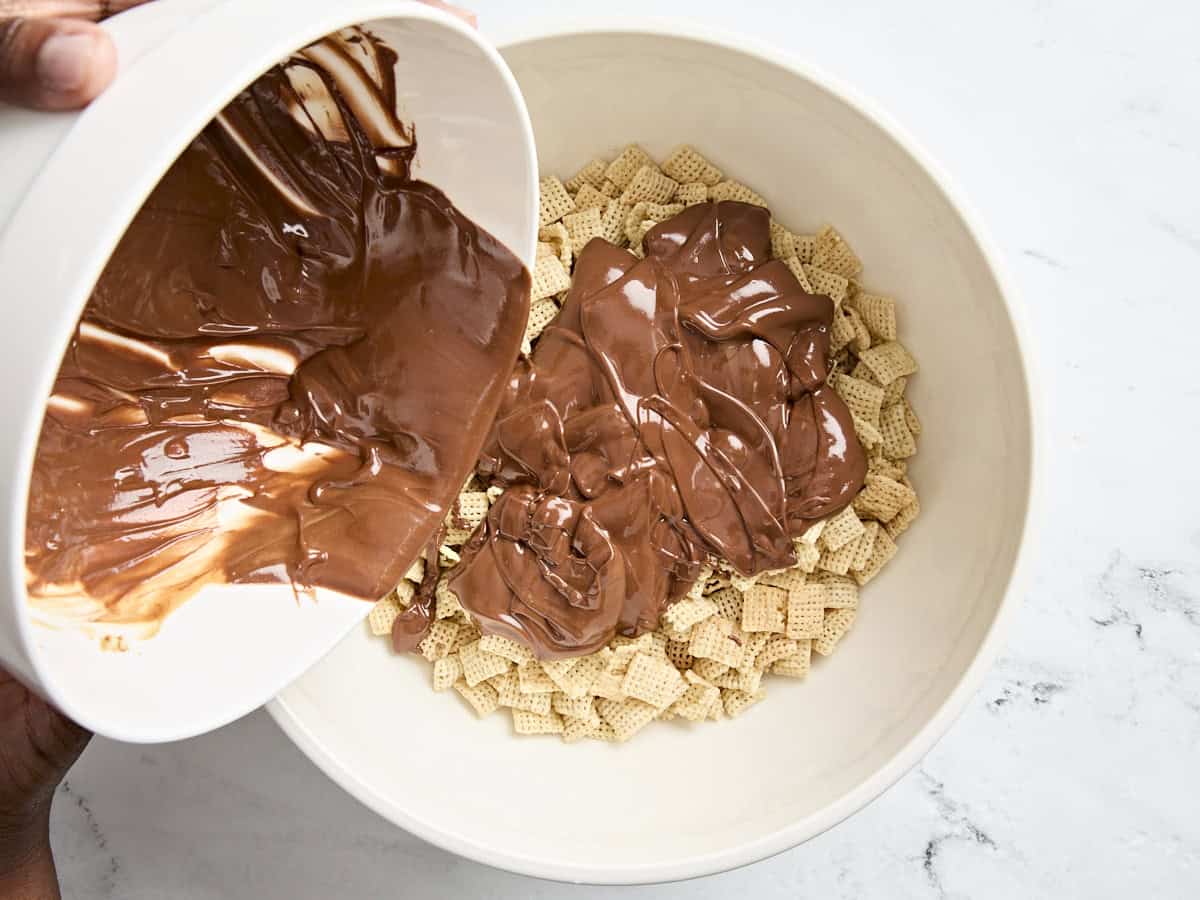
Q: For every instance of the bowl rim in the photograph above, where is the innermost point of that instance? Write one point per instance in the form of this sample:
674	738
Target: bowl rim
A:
939	723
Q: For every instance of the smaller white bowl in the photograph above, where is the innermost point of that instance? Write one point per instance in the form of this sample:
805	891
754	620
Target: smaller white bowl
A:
69	185
677	802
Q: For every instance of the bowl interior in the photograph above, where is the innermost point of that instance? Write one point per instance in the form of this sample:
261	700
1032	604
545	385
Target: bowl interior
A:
681	801
229	649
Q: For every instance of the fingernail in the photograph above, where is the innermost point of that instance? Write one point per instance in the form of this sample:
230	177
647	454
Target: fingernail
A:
64	61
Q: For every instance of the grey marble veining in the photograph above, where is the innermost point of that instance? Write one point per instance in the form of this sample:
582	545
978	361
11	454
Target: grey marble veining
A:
1074	127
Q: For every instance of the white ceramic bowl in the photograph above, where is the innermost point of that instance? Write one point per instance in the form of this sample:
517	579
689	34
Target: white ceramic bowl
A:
679	801
70	183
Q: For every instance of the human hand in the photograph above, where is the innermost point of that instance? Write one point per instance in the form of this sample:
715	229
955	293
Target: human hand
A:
37	746
54	56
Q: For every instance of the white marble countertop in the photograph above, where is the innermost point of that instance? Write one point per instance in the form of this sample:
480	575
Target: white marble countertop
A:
1075	128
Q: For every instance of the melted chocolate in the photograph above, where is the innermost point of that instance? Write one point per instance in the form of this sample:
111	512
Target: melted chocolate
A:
288	366
677	408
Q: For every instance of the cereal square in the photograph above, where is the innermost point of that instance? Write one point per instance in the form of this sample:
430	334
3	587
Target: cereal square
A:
796	267
696	702
709	669
783	242
903	519
482	697
685	613
864	399
805	244
910	417
622	170
691	194
446	672
806	611
812	534
898	441
508	690
878	464
554	201
697	590
777	648
470	508
653	681
752	645
589	197
788	579
532	679
576	708
868	433
447	601
882	498
843	592
831	284
837	623
525	722
440	639
894	391
549	278
679	654
888	361
838	561
742	582
735	190
879	315
737	680
841	529
864	546
686	165
613	222
467	633
575	730
807	556
508	648
479	665
559	240
383	614
737	702
591	175
715	638
797	665
832	253
649	185
842	332
881	554
626	717
578	681
862	337
729	603
583	226
763	609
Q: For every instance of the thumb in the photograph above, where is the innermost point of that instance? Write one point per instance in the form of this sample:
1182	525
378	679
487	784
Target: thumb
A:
54	63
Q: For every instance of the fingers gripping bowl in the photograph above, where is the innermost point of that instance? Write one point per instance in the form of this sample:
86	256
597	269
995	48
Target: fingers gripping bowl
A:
678	802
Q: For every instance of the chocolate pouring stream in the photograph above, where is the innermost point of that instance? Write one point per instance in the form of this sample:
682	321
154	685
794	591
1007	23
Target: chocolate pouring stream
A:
287	368
678	407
